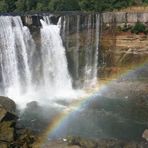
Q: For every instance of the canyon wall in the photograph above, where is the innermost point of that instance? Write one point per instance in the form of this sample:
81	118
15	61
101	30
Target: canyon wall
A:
119	46
124	17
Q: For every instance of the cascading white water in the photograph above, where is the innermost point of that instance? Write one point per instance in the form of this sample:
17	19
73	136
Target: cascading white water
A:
97	49
88	54
47	19
9	67
21	34
16	75
56	78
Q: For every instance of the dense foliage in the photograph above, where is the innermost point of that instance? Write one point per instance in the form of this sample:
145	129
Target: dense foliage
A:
66	5
139	27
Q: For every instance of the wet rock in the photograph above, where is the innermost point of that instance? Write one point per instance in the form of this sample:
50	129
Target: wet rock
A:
8	104
143	145
3	113
105	143
6	116
10	135
6	131
77	142
24	139
3	145
109	143
88	144
26	136
145	135
131	145
59	143
32	105
74	146
73	140
84	143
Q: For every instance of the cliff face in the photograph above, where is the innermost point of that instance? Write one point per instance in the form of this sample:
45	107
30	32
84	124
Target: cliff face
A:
120	47
125	17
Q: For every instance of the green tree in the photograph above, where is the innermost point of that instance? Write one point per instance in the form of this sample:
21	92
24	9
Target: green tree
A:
31	5
64	5
87	5
10	5
20	6
95	5
3	6
42	5
145	1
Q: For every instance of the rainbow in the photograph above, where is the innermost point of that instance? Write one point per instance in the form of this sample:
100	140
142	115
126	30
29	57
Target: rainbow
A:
61	118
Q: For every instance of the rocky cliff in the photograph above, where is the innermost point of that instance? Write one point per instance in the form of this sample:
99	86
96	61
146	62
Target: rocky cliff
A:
120	45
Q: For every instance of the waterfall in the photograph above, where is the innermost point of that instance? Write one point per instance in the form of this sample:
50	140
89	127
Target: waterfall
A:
21	35
88	53
9	67
16	75
77	47
56	78
95	64
38	67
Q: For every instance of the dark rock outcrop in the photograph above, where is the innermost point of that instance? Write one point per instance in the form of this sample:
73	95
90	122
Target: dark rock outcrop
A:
7	121
6	131
10	135
6	115
8	104
145	135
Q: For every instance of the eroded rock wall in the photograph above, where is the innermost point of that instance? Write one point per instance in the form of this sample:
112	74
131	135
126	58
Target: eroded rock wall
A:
119	46
125	17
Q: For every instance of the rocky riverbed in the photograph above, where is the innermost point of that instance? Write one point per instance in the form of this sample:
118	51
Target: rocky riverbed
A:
116	116
77	142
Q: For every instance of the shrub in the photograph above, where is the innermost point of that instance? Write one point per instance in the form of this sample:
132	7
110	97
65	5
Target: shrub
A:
138	28
146	31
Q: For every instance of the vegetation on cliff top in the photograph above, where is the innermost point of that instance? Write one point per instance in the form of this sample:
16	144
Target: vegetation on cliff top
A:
66	5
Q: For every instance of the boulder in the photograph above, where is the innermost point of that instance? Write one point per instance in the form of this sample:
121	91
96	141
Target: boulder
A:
32	105
8	104
6	116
